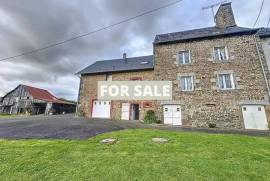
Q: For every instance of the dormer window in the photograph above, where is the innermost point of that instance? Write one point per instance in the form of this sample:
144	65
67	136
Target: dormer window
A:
221	53
184	58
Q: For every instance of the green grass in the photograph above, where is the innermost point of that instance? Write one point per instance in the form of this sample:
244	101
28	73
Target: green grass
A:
7	116
187	156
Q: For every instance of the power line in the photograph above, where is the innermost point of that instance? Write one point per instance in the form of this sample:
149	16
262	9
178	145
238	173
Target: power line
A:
260	12
92	32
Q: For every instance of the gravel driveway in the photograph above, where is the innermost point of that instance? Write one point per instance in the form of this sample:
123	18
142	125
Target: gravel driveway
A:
58	127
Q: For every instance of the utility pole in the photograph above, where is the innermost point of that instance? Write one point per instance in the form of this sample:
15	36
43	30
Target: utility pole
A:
212	6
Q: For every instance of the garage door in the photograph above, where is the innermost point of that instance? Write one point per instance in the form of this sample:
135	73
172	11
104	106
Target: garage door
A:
101	109
254	117
172	115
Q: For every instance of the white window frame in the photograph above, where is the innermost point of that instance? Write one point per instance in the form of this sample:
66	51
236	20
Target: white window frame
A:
224	81
182	54
192	83
219	57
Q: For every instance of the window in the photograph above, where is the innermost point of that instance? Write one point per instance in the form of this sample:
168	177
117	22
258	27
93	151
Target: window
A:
108	77
225	81
220	53
187	83
184	57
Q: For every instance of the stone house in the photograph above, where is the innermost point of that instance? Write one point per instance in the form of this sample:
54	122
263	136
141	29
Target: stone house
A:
220	77
125	69
26	99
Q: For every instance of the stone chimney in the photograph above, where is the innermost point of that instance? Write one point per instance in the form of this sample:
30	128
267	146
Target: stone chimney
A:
224	17
125	57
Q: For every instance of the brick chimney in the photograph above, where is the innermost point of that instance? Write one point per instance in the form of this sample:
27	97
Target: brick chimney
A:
224	17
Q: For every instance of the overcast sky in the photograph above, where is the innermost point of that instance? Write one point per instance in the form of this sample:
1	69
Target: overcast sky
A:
29	24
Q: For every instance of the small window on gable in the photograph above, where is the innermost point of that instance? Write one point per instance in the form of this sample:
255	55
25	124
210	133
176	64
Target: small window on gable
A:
184	57
225	81
259	109
221	53
186	83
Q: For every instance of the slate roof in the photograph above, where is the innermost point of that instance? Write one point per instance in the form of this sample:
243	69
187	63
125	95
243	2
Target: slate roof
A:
120	65
202	33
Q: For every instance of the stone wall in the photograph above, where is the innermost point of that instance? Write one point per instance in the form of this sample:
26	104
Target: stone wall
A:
89	92
207	104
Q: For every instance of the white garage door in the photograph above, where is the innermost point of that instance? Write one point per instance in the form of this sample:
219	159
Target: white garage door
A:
172	115
101	109
255	117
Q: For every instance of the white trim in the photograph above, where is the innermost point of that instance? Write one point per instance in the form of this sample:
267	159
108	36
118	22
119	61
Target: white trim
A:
186	84
182	53
224	81
219	52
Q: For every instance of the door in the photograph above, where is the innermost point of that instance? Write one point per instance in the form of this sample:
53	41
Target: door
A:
172	115
254	117
125	111
135	112
101	109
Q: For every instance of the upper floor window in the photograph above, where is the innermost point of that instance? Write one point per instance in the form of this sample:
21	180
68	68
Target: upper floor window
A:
225	81
187	83
184	57
221	53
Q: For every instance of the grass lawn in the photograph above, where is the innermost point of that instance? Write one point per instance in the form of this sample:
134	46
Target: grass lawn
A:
187	156
7	116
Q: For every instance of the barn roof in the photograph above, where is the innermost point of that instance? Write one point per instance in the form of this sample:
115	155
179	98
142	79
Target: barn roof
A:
42	94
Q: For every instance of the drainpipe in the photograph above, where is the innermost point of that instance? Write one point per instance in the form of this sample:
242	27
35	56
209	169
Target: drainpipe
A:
264	73
78	99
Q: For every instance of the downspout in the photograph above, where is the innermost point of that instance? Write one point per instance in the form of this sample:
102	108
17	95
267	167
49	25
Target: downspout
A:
264	73
78	99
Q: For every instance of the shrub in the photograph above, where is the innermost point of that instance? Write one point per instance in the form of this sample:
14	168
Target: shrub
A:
150	117
212	125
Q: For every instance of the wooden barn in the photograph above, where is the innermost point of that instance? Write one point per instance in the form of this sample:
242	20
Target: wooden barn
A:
30	100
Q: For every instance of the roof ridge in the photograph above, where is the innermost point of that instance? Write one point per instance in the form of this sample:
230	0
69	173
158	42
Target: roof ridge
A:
186	30
195	29
35	87
122	58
